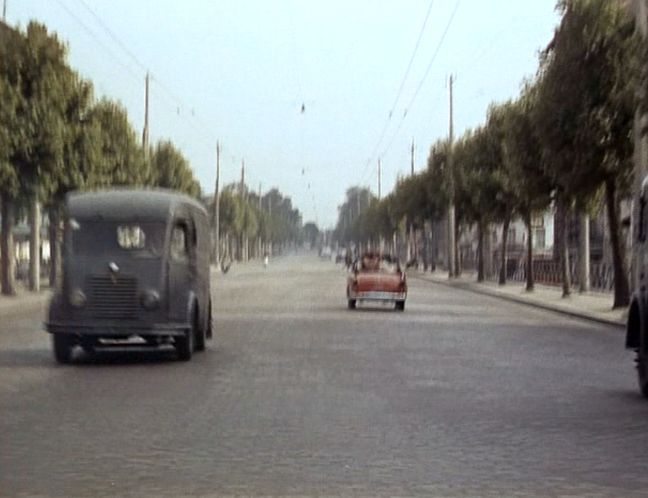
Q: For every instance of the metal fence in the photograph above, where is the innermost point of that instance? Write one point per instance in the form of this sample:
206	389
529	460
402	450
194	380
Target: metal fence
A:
549	272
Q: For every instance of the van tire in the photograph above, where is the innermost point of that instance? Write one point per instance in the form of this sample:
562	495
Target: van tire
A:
185	344
642	374
210	323
63	344
200	333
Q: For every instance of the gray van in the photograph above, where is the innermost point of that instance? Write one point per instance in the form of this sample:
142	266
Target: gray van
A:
135	273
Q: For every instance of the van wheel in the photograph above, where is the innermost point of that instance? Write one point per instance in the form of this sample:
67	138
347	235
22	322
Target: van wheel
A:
210	322
185	344
642	374
63	345
200	333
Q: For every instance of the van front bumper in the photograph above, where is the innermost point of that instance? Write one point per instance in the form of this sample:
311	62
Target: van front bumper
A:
117	329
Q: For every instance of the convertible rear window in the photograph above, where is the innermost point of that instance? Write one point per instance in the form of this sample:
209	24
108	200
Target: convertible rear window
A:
137	239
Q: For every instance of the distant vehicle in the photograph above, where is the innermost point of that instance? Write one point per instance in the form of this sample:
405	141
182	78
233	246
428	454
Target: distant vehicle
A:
637	325
376	278
135	273
325	253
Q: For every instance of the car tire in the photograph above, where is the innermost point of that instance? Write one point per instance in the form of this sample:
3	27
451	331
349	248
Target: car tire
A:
642	374
63	344
185	344
400	306
352	304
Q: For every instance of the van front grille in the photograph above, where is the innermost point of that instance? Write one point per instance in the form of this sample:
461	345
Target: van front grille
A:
113	297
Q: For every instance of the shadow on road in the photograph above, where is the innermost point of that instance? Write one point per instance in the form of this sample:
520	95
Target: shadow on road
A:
25	358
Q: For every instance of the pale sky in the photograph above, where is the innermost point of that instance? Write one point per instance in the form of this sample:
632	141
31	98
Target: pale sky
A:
239	72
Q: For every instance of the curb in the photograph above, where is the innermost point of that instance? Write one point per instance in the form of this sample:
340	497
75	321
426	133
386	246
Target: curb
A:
507	297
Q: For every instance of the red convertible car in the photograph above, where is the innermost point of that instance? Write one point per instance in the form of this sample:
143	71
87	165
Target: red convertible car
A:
376	278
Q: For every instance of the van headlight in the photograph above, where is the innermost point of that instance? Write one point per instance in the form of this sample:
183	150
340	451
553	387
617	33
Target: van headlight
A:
150	299
77	298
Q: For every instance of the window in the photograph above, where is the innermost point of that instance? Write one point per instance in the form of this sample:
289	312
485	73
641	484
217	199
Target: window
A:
179	239
92	238
539	238
131	237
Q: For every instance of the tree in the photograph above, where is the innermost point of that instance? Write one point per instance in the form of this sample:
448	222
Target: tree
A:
522	153
311	233
587	100
121	159
170	169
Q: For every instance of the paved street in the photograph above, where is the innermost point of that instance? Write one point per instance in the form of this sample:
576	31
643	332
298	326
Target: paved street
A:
460	395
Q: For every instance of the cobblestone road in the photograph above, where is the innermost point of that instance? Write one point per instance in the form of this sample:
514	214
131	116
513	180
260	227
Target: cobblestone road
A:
460	395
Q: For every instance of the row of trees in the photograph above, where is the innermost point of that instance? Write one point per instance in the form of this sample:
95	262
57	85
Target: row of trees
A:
567	139
251	224
56	137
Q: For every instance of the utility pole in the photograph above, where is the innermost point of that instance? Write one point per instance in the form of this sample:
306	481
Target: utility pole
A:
411	245
4	11
451	206
217	209
145	132
379	196
260	242
244	241
412	160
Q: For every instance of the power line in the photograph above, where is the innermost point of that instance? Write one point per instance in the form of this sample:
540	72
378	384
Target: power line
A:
98	41
434	56
174	103
113	36
427	71
409	66
400	90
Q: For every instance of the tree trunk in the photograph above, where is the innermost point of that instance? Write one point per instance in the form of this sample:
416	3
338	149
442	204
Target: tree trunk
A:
55	245
457	251
34	246
8	270
621	285
529	259
480	251
451	242
583	253
487	252
564	251
504	251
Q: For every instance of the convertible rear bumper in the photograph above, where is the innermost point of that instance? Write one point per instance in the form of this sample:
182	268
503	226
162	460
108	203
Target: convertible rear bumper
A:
377	296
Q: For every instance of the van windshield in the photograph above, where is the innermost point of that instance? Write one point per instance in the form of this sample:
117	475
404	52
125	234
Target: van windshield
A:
140	239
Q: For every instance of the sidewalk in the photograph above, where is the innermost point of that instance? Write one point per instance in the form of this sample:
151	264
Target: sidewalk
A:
596	306
24	301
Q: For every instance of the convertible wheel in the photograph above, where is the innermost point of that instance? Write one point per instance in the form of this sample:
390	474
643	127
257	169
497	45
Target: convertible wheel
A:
642	374
63	345
352	304
400	305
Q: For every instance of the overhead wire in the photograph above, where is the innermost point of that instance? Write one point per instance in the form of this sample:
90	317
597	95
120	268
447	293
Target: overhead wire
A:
425	75
400	90
91	33
153	78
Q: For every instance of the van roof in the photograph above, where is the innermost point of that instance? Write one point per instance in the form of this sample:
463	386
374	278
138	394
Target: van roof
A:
128	203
